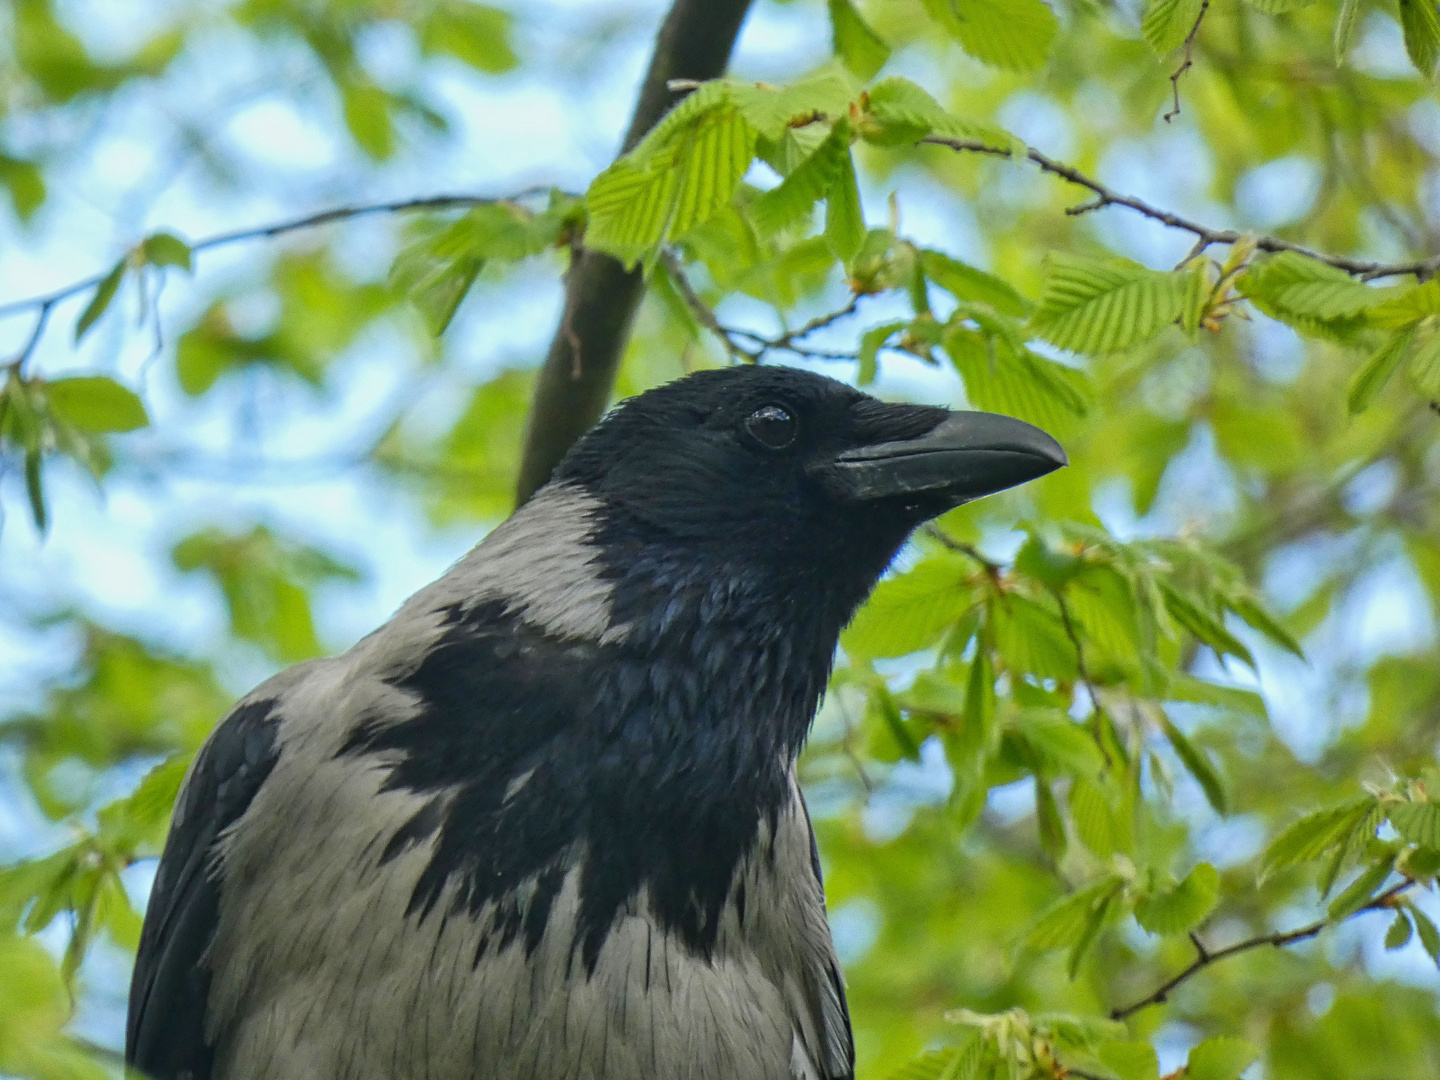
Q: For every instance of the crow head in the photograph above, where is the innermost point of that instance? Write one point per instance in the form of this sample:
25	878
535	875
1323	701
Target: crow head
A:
794	478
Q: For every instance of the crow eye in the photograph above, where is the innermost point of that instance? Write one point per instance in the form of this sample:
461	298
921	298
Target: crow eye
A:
772	426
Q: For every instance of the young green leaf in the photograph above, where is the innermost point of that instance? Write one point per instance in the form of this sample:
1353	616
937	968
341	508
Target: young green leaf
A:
1130	1060
1398	936
1309	295
863	51
35	490
1314	834
104	293
1429	936
1360	891
1064	922
1279	7
1183	906
1011	34
1425	361
166	249
1047	819
1167	23
367	115
1099	306
870	344
807	183
1094	818
475	34
1372	375
844	219
96	403
1205	626
1417	822
1197	764
1248	608
1221	1057
1420	20
911	611
965	282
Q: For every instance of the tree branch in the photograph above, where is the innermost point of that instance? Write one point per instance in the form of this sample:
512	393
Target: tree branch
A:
1187	63
1364	269
1204	957
44	304
601	296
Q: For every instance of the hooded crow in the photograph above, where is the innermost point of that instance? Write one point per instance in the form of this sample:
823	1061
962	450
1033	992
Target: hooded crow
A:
544	824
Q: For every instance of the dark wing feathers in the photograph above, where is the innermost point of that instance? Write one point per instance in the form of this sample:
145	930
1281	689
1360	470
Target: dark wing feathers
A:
165	1032
838	1040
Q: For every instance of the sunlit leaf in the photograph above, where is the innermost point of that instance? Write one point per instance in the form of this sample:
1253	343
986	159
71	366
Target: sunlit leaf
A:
1220	1057
1096	306
1182	906
863	50
96	403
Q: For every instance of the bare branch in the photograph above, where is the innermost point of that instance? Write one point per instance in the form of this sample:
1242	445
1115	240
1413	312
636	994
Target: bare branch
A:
601	296
310	221
1187	63
1364	269
748	346
1204	958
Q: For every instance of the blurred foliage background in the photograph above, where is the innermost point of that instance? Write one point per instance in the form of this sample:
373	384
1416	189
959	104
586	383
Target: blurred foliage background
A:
1129	773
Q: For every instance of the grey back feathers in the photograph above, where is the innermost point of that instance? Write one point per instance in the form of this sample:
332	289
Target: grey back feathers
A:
315	961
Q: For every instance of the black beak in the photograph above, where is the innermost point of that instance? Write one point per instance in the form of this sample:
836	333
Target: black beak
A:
965	456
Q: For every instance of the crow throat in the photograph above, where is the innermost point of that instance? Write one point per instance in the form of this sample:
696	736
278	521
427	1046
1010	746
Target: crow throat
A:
651	762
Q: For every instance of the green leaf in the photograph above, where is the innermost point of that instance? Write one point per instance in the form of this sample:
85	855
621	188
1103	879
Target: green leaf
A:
1167	23
1420	20
1048	821
96	403
965	282
1101	306
1248	608
104	293
472	33
1417	822
1345	30
1314	834
1064	922
1429	936
25	184
1001	377
844	219
1372	375
684	173
34	490
1094	818
1196	763
870	344
1222	1057
1130	1060
1406	308
1425	362
899	112
1398	936
911	611
1011	34
1309	295
1182	686
1360	891
367	115
166	249
1279	7
1183	906
863	51
1205	626
807	183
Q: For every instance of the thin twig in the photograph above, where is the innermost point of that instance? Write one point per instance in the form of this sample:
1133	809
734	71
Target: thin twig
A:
1364	269
751	346
1187	62
1204	958
1080	667
324	217
970	551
